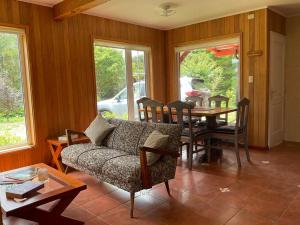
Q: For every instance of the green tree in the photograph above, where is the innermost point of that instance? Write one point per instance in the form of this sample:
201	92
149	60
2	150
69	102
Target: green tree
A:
218	73
11	101
110	71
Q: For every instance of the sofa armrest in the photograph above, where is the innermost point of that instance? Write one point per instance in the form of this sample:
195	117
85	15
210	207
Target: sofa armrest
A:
70	132
145	170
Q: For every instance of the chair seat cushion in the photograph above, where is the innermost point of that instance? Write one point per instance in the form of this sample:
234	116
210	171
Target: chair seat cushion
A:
196	130
90	156
221	123
230	129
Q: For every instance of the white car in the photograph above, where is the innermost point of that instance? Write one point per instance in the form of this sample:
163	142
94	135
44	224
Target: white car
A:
118	104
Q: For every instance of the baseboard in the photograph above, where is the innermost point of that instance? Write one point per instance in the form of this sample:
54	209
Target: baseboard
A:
261	148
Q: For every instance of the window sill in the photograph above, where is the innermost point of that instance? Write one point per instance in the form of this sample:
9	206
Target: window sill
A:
15	149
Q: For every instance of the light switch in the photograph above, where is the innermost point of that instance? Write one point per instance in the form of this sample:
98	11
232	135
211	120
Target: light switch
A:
250	79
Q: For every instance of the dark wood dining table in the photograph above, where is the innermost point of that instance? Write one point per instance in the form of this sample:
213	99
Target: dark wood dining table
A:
211	115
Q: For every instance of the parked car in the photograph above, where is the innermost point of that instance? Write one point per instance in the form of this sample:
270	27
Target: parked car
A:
118	104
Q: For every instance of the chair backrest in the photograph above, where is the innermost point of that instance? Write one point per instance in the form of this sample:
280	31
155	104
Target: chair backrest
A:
217	100
140	105
242	115
155	108
197	100
176	110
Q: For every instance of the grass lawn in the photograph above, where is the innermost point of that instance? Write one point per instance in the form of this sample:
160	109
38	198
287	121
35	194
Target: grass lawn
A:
12	131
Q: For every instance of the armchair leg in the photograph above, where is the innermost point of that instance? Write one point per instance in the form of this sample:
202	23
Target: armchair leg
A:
167	187
132	194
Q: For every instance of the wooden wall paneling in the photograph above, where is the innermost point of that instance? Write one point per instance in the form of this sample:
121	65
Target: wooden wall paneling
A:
276	22
62	75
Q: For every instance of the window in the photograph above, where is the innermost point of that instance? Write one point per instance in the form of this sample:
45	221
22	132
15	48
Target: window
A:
210	69
121	78
15	113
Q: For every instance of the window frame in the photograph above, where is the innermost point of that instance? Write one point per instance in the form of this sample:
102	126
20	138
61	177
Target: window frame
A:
128	62
206	43
22	32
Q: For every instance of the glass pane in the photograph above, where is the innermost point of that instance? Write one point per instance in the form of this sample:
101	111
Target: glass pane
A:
111	82
210	71
139	77
12	118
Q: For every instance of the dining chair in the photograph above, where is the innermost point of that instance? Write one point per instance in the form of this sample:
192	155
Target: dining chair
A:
153	111
140	105
197	100
178	112
238	131
217	101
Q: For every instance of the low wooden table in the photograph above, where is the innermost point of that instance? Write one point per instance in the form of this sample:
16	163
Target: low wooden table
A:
57	146
59	187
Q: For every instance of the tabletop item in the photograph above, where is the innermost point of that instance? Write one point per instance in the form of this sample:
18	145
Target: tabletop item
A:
43	174
24	175
60	189
23	190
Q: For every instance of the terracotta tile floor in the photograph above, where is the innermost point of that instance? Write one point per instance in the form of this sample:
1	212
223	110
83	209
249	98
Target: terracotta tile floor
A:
260	194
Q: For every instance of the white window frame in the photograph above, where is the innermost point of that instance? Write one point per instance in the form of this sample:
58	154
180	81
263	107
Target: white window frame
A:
26	87
129	75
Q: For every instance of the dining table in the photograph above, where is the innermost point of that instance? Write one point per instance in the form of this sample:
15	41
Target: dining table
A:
211	114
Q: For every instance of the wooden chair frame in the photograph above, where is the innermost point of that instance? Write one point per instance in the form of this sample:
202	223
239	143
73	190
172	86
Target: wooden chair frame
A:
140	102
156	109
240	131
218	99
176	109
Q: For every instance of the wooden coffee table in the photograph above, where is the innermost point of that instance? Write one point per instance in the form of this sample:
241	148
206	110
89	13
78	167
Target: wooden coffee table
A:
59	189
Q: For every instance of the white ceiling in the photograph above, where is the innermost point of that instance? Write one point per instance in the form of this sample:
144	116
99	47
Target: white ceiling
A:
146	12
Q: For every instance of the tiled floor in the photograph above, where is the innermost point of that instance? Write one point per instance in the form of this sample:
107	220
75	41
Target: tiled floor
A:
266	192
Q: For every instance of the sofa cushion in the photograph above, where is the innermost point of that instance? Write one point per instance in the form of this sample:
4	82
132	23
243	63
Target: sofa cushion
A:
125	172
124	169
155	140
126	136
90	156
173	130
98	130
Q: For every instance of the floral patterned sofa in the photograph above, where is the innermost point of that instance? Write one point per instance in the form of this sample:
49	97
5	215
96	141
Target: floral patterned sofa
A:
122	161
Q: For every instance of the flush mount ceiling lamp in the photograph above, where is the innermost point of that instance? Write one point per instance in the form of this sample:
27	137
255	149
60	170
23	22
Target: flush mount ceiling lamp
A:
167	9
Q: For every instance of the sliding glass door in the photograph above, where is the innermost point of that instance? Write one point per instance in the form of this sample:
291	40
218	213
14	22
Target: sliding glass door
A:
121	77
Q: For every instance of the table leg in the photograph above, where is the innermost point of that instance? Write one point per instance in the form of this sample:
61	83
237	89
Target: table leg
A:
51	216
55	152
216	153
211	122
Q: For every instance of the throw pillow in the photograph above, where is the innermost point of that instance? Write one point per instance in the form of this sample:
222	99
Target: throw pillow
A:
98	130
155	140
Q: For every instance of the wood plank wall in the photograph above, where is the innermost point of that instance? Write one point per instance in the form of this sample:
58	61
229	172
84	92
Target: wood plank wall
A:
62	69
253	37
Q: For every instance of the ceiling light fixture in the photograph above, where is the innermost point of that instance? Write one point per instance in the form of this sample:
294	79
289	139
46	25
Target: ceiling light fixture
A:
167	9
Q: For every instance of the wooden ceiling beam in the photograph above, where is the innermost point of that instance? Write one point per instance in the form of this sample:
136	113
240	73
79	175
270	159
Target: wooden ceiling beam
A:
68	8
